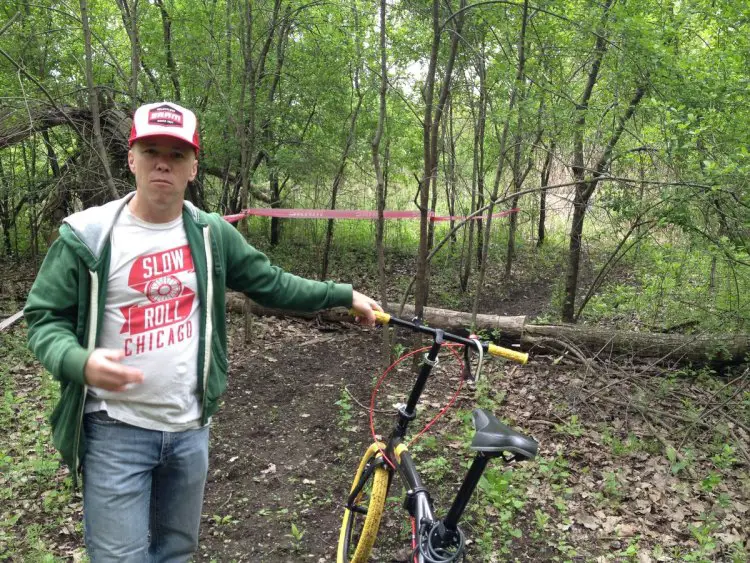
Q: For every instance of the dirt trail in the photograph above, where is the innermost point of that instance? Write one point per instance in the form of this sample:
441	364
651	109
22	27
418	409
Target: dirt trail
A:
601	490
278	457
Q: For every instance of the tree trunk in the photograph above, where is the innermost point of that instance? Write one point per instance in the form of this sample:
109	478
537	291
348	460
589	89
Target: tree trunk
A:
544	178
429	144
7	217
254	74
166	22
347	147
517	148
268	134
478	165
499	170
579	171
428	93
224	201
450	173
380	191
273	180
582	197
94	103
129	11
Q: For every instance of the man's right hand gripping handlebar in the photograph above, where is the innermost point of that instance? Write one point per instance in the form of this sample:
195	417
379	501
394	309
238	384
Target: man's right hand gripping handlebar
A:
364	308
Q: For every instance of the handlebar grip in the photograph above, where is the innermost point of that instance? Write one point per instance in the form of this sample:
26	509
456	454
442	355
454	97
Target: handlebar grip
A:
520	357
381	318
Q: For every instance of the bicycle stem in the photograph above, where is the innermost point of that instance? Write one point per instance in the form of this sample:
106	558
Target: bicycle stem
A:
409	412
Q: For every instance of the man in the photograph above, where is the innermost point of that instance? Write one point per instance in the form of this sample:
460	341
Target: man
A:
128	313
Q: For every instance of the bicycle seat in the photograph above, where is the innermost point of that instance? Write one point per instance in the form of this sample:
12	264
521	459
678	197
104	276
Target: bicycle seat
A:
492	436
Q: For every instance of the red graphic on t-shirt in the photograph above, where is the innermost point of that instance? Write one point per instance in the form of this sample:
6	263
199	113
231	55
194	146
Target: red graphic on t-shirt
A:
169	301
151	267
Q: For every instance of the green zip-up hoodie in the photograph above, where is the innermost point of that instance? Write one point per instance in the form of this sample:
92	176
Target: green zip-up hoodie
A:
65	306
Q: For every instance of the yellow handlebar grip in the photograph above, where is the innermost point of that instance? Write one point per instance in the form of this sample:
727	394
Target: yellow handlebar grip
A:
382	318
520	357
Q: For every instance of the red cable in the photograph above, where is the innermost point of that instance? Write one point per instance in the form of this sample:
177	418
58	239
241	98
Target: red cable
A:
446	407
382	378
380	381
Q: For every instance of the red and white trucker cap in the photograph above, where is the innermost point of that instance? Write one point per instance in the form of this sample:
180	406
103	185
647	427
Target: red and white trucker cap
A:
165	119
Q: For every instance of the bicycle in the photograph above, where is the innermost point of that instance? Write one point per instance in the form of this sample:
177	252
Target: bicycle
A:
433	540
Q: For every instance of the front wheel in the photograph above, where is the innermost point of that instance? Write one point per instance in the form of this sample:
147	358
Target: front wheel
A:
360	525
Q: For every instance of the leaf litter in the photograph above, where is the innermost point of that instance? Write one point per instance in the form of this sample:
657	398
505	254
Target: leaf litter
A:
636	463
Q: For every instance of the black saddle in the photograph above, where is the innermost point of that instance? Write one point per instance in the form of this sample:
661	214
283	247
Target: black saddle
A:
494	437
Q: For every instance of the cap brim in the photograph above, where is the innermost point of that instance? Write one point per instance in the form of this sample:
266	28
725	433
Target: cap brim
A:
161	134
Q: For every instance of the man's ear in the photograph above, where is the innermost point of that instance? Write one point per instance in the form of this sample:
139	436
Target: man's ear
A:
131	161
194	171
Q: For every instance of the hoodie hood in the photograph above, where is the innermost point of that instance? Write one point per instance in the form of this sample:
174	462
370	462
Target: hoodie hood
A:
88	231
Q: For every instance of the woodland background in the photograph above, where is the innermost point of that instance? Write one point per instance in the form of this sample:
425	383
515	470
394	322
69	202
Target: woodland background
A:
619	130
636	109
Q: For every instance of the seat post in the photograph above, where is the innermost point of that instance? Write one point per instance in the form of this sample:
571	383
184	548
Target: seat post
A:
464	493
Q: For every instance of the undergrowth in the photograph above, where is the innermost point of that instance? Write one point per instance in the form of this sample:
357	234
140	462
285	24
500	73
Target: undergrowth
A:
35	492
661	287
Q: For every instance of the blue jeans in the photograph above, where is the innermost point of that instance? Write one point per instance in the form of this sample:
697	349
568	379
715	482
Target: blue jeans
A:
142	491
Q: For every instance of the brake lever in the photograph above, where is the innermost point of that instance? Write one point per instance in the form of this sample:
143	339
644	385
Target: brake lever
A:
477	374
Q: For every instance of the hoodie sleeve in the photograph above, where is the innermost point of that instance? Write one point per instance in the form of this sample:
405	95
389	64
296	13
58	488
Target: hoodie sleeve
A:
250	271
52	312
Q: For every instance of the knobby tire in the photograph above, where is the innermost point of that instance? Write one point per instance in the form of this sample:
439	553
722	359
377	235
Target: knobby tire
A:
375	506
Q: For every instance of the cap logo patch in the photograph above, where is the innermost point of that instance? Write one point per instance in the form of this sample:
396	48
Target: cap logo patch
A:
165	116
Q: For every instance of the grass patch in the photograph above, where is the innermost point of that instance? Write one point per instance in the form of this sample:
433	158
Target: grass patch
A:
39	513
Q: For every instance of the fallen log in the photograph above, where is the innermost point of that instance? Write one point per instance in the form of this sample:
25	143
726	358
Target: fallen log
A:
10	321
714	349
17	125
510	327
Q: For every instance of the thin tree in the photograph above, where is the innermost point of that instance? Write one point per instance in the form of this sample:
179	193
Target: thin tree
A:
94	103
339	177
430	125
129	11
500	163
380	190
585	189
166	24
518	176
254	73
544	181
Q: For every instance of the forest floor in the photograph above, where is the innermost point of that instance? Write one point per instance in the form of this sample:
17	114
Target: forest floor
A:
636	463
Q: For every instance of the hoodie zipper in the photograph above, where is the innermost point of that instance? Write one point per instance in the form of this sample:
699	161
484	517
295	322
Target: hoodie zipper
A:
208	308
91	344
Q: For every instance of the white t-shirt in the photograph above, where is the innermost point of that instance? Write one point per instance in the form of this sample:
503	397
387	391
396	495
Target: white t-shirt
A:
152	313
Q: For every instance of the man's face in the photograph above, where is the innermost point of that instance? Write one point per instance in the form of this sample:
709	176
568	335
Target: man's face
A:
162	166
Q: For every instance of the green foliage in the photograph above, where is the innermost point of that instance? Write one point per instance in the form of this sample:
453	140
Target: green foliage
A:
31	480
502	491
679	460
225	520
345	410
669	288
572	426
436	466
